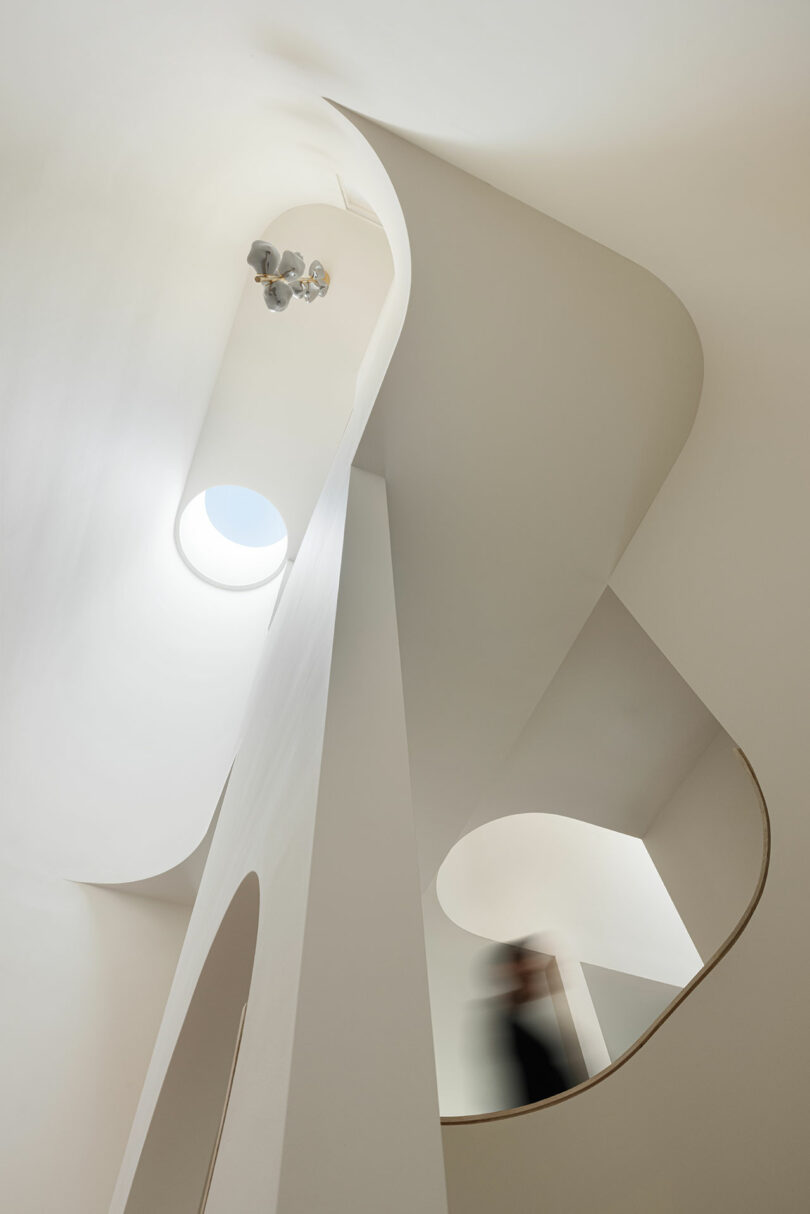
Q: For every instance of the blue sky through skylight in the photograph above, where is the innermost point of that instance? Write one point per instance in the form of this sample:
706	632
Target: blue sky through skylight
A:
244	516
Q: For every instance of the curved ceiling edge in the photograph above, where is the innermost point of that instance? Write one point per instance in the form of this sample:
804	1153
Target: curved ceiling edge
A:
714	960
181	881
379	193
178	864
617	362
373	133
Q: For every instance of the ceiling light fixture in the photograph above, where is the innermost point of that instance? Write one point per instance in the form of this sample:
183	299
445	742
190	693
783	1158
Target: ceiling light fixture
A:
283	275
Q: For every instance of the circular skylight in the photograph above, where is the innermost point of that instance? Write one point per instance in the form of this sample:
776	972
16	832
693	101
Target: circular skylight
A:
232	537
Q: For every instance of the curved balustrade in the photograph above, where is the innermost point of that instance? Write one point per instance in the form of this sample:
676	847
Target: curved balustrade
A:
699	977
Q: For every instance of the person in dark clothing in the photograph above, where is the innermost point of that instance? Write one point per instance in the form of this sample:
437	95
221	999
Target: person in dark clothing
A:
535	1073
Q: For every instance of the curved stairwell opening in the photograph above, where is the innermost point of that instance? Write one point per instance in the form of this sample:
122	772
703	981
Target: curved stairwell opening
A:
624	842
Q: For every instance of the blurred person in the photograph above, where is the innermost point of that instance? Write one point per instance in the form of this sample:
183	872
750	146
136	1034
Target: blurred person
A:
534	1071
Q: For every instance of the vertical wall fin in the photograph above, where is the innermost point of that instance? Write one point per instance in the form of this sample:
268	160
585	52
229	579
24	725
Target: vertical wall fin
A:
362	1126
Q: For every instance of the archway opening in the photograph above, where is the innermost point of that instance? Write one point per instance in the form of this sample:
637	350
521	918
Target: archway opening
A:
178	1155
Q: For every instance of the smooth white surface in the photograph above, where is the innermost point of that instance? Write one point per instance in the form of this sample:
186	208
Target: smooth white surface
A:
205	129
124	715
613	737
85	974
521	444
220	560
626	1005
675	133
124	677
366	972
286	385
149	148
595	894
707	845
266	824
267	819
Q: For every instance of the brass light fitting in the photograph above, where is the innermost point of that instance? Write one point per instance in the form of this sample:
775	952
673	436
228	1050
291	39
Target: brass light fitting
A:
283	276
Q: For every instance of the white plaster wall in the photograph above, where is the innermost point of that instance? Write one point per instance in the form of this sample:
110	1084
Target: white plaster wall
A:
363	1051
285	389
625	1005
706	843
136	171
711	1112
719	581
124	677
612	737
267	818
701	1116
85	974
266	824
522	433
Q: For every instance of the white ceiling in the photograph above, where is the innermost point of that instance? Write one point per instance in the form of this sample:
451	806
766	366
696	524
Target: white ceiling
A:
145	143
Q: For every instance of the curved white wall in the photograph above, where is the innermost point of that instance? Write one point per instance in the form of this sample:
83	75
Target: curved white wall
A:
587	892
675	135
286	386
126	678
522	439
717	578
268	822
707	845
85	974
275	819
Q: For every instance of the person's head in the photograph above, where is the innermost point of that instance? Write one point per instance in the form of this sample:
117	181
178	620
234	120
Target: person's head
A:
515	966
